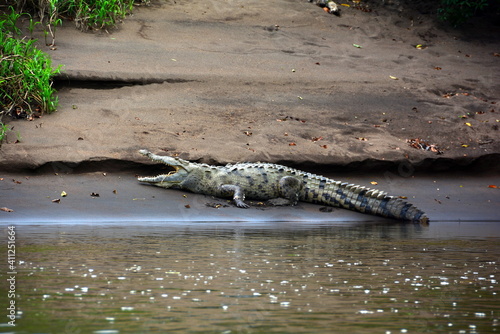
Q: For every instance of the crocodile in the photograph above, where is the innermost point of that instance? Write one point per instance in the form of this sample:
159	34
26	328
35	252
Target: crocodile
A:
267	181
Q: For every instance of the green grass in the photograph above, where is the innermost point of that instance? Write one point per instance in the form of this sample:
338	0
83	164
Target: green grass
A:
87	14
25	74
25	71
4	128
457	12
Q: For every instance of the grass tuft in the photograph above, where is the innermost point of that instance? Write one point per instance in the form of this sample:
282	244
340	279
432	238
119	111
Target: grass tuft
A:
457	12
25	73
87	14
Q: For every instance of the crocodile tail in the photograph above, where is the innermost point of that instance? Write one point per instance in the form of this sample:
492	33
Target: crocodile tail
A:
366	200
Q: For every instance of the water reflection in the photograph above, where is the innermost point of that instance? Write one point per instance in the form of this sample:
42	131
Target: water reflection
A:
258	278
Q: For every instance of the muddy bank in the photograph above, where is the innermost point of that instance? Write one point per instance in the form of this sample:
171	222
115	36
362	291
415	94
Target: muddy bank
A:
118	197
223	82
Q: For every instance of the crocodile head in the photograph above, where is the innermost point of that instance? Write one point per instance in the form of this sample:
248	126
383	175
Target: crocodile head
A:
173	178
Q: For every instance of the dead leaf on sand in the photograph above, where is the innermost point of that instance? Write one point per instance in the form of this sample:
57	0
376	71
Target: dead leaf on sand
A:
6	209
423	145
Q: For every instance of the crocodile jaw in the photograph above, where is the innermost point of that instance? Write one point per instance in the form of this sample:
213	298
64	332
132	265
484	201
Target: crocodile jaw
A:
169	180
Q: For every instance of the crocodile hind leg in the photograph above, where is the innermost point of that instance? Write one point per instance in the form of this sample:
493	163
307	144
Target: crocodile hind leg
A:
238	195
289	188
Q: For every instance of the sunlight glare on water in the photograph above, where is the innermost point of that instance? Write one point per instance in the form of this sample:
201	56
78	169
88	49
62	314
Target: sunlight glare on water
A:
239	278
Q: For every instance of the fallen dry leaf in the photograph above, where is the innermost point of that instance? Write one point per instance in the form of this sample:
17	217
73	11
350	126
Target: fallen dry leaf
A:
492	186
57	200
361	138
6	209
374	183
286	118
292	144
422	145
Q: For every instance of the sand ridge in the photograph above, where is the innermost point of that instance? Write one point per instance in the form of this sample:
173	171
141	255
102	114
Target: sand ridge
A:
225	81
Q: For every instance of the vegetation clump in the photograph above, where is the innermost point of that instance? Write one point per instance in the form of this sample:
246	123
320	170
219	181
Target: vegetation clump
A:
25	71
25	74
457	12
87	14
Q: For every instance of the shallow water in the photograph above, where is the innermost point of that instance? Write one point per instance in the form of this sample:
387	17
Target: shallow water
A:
261	277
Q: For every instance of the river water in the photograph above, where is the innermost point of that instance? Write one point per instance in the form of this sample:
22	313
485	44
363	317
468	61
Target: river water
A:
256	277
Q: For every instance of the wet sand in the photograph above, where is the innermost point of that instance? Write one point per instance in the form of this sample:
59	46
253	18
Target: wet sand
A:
448	200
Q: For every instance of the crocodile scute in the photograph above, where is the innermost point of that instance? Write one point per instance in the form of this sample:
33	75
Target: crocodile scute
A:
267	181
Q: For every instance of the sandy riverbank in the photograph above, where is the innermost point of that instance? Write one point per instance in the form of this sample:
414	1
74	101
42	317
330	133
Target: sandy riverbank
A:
219	82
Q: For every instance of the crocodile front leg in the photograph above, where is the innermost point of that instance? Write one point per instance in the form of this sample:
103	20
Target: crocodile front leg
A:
238	195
